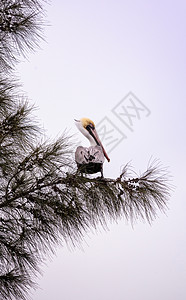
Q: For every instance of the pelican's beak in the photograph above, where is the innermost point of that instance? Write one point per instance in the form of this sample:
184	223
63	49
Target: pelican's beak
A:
94	134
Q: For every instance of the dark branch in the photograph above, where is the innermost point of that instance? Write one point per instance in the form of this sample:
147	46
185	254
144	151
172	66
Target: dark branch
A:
21	28
43	202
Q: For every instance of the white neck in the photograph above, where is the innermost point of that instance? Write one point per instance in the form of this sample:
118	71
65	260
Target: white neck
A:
91	140
86	134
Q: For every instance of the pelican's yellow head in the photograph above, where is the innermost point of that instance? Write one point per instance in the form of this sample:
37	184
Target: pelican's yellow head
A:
86	121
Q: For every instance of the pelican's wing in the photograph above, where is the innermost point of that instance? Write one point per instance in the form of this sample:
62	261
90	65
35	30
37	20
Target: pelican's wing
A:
93	154
96	154
81	155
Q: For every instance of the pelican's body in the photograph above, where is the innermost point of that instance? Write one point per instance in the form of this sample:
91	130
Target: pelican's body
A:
90	160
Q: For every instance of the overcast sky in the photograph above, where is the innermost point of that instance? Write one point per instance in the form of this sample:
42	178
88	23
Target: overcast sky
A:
99	58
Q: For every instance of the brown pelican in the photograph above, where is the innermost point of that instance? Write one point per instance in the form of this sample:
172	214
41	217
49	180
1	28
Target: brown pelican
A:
90	160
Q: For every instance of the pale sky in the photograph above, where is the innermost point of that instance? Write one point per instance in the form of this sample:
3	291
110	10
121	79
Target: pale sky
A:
95	53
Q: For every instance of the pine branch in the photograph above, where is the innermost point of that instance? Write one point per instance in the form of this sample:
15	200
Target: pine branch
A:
21	28
15	285
44	202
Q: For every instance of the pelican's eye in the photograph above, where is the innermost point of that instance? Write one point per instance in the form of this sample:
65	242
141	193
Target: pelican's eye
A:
90	126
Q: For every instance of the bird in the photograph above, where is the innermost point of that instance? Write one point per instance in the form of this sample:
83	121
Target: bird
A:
90	160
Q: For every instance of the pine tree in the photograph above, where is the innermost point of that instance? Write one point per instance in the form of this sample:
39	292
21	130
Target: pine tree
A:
43	201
